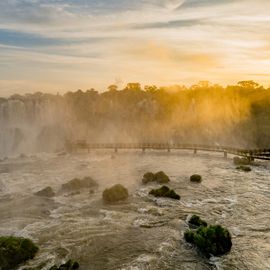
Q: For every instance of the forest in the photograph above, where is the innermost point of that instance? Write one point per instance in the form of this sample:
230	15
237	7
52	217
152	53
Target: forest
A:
235	115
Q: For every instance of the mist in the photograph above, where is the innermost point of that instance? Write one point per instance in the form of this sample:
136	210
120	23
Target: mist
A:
209	114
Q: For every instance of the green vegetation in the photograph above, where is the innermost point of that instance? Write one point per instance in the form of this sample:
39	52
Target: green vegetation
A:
196	178
197	221
164	191
69	265
115	193
212	240
204	113
14	251
244	168
159	177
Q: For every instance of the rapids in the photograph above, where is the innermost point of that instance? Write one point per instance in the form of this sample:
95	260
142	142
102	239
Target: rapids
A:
143	232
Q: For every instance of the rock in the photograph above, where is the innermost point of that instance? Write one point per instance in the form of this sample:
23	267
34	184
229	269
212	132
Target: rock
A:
162	178
115	193
164	191
69	265
159	177
243	168
77	183
196	221
46	192
212	240
241	161
196	178
148	177
15	250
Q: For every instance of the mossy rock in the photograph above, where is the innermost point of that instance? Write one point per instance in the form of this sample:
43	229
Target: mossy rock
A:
159	177
148	177
69	265
165	191
196	178
115	193
76	183
243	168
15	250
46	192
162	178
241	161
212	240
196	221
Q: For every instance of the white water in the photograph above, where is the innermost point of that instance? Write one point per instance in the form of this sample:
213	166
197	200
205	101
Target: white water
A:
142	233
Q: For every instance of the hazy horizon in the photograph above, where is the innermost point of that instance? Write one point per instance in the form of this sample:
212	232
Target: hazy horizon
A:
58	46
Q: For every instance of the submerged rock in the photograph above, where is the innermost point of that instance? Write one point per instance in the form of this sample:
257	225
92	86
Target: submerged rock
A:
212	240
115	193
196	221
196	178
76	183
241	161
164	191
159	177
46	192
15	250
243	168
69	265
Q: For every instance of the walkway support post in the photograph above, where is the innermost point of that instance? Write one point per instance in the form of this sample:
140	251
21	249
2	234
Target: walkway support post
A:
225	154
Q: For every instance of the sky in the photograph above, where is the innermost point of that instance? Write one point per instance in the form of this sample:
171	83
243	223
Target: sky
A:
64	45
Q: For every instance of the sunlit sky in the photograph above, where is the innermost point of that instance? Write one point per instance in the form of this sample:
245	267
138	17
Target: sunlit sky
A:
61	45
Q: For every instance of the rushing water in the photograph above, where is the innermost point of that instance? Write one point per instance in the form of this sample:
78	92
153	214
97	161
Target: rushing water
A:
144	232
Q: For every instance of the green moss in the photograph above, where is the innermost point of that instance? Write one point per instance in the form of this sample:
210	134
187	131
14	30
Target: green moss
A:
159	177
15	250
115	193
196	178
197	221
212	240
162	178
164	191
148	177
244	168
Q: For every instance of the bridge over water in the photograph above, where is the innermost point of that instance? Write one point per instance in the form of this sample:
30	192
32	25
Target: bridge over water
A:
263	154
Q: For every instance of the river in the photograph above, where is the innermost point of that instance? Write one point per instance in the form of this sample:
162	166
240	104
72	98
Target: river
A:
143	232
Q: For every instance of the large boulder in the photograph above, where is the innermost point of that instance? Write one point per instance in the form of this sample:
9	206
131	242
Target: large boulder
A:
196	178
115	193
164	191
243	168
159	177
15	250
69	265
46	192
196	221
76	183
212	240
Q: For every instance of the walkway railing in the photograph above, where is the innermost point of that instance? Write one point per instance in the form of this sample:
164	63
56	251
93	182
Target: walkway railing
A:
263	154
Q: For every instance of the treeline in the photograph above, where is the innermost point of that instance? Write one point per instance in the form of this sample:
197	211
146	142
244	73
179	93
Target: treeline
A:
236	115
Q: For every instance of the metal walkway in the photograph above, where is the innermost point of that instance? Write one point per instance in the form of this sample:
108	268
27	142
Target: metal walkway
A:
263	154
